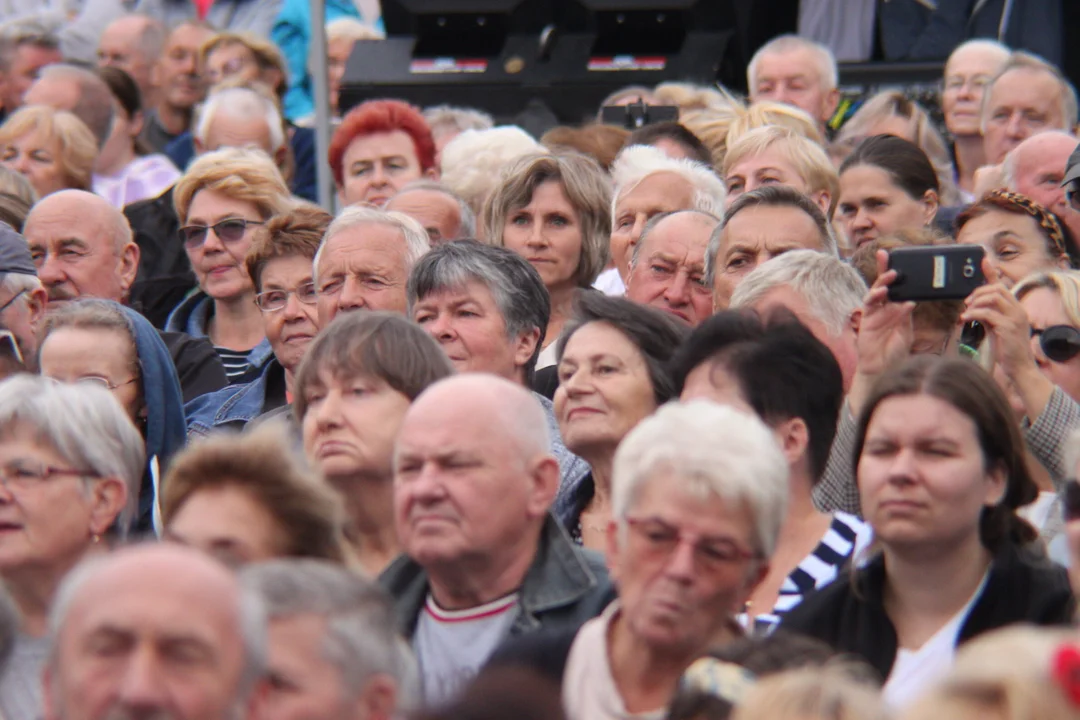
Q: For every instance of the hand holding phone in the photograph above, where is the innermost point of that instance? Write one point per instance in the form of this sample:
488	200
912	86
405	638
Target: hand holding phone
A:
935	272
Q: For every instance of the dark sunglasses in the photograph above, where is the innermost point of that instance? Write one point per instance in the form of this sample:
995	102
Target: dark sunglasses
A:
1070	500
228	231
1060	343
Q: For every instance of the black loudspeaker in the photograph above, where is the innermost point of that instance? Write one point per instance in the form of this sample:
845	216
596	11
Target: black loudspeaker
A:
502	55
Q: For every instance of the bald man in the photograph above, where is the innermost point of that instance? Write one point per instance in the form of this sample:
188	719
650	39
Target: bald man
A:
79	91
1036	168
484	570
155	631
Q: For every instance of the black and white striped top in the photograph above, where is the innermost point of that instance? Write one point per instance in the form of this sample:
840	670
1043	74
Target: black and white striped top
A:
845	536
236	364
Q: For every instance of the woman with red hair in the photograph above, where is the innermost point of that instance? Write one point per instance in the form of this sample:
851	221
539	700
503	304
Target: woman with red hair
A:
380	146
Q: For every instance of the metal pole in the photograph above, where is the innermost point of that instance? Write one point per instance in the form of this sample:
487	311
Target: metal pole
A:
321	91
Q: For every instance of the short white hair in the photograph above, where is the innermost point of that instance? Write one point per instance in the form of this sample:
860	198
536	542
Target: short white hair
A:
832	288
638	162
1021	60
1008	165
471	164
708	450
242	104
447	118
1000	50
826	61
416	238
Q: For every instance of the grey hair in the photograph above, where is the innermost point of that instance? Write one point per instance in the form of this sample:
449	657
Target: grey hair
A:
826	61
468	217
360	636
833	289
250	611
243	104
457	119
414	234
514	284
638	162
1001	49
635	254
1022	60
25	31
1008	165
770	196
708	450
85	425
95	104
15	283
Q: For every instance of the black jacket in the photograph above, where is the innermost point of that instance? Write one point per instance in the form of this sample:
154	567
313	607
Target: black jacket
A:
164	277
1021	588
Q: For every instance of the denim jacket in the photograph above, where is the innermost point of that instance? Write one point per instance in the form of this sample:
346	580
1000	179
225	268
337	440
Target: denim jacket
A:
572	469
234	406
193	315
564	587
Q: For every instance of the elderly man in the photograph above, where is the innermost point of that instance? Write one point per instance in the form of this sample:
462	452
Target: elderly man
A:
134	44
82	247
364	262
667	267
649	183
444	214
761	225
488	309
1028	96
155	631
22	298
477	572
25	48
1036	168
369	675
240	117
795	71
78	90
179	86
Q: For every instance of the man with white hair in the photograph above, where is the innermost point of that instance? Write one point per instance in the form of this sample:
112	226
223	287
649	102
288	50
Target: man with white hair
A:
444	214
826	295
364	262
447	122
795	71
334	653
134	43
476	572
761	225
649	183
1036	168
239	117
155	631
1028	96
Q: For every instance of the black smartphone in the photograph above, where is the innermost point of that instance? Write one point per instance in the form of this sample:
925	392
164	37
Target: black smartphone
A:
935	272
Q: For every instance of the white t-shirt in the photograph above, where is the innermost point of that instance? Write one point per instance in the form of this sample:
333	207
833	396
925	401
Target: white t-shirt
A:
452	645
915	670
610	283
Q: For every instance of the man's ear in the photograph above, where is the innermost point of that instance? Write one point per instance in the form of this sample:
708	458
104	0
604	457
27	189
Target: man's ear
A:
544	483
129	266
378	700
856	320
832	100
36	302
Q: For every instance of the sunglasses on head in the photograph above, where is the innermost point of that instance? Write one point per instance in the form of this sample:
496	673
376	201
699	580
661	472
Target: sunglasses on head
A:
1060	343
228	231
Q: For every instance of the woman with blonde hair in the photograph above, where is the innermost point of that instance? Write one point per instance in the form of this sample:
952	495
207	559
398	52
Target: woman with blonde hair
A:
767	113
220	201
775	155
688	96
892	113
54	149
831	692
555	211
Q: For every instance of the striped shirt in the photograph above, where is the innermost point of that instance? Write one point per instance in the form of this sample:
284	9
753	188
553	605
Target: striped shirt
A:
846	535
237	368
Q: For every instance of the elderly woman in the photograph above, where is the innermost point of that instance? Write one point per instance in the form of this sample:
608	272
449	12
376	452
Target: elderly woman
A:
221	200
776	156
698	497
125	171
613	372
553	210
70	463
1020	236
352	391
247	498
380	147
99	342
886	185
280	266
941	471
52	148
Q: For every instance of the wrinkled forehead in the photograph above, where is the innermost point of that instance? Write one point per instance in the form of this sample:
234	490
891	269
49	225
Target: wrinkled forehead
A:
1025	87
789	65
665	191
683	231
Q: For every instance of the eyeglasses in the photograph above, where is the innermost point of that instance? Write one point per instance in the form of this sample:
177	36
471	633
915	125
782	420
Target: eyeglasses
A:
24	474
660	540
12	299
274	300
228	231
1060	343
102	382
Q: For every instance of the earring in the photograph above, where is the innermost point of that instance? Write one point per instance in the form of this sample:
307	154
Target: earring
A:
95	538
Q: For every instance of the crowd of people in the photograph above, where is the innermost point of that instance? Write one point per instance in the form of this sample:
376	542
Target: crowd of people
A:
595	425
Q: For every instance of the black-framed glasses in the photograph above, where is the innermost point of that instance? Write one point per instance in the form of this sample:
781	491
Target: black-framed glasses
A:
24	474
228	231
1060	343
274	300
12	299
